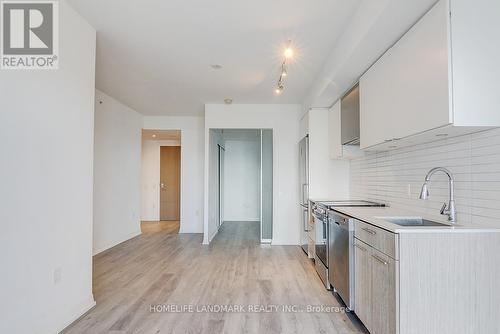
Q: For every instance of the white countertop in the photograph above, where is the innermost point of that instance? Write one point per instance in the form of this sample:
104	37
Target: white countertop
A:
370	214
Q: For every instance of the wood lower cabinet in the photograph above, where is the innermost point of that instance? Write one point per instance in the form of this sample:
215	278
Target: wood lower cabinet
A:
383	293
427	281
362	286
375	289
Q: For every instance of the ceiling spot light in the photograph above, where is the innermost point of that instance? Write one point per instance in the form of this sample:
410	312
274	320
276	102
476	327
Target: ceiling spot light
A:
216	66
154	136
284	72
228	101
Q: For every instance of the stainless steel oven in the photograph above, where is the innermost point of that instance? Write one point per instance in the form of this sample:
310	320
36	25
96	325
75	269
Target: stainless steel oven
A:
320	216
334	246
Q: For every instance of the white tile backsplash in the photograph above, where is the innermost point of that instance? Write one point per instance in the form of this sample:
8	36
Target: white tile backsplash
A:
396	177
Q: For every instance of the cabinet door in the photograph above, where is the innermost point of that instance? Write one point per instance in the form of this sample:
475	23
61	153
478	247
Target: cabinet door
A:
383	294
407	91
362	283
374	99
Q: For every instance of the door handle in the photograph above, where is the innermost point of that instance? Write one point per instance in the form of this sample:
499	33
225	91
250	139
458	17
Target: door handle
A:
362	248
304	220
304	187
384	262
367	230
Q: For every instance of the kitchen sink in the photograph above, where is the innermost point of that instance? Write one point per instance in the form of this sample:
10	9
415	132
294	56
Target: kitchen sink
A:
411	221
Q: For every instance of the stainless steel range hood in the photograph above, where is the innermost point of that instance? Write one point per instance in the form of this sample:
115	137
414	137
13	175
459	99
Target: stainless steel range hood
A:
349	111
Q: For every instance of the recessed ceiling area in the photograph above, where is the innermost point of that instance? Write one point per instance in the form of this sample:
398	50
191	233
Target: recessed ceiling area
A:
156	56
174	135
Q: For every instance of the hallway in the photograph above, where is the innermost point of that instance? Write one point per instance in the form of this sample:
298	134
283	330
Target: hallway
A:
176	270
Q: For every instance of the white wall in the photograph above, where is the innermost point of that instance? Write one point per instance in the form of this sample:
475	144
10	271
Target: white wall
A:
191	166
242	179
46	145
328	179
284	120
150	177
117	172
396	177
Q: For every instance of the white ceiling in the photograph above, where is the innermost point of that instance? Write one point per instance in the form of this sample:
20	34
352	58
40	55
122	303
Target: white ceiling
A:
155	55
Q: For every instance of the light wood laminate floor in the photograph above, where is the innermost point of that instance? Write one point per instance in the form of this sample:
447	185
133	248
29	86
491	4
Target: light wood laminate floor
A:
175	269
168	226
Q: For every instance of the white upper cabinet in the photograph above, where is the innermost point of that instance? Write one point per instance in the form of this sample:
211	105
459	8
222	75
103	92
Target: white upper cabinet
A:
437	80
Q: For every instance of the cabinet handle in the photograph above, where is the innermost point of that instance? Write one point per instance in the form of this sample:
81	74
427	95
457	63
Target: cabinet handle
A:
367	230
379	259
362	248
388	140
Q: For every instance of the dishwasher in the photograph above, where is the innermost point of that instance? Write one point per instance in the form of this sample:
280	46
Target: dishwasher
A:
341	256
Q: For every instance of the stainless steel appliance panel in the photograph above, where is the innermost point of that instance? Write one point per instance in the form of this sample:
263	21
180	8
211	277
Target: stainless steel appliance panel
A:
321	225
304	170
322	271
305	229
341	257
320	216
349	111
304	191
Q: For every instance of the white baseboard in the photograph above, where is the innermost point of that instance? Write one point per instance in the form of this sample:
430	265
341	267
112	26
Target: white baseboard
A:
212	236
266	241
117	242
75	313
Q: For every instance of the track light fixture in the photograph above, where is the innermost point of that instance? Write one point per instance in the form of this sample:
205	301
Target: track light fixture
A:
288	54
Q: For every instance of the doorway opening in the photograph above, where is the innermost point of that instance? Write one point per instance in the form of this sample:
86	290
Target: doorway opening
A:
241	183
161	181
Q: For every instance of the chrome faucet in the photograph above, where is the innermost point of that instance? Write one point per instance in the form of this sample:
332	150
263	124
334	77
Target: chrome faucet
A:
447	209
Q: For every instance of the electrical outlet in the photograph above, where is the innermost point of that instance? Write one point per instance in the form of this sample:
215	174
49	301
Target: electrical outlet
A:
57	275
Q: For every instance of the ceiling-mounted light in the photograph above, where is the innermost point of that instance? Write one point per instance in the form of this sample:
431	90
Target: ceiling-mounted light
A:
283	70
228	101
288	53
154	136
279	88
